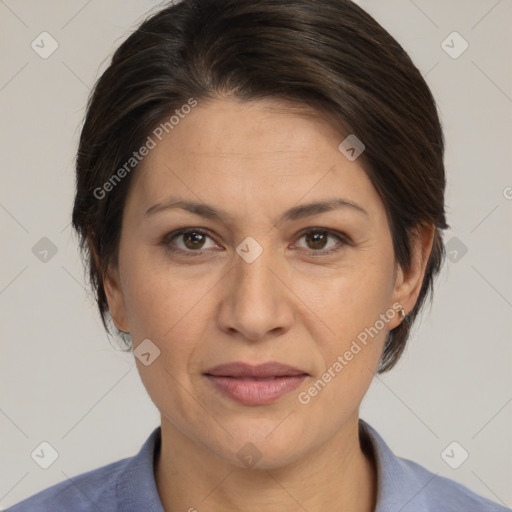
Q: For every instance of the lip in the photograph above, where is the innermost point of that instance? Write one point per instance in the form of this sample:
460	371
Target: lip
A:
238	369
255	385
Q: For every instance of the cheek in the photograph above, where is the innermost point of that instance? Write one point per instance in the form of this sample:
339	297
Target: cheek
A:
350	337
349	298
165	306
165	302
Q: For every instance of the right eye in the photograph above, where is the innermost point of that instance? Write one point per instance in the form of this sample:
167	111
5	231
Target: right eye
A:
190	241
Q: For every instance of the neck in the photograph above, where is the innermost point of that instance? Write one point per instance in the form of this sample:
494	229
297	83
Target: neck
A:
337	474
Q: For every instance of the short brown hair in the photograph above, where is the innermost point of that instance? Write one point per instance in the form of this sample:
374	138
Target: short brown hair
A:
329	55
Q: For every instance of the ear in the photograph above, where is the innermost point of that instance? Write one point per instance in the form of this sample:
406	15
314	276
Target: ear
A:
115	298
408	283
113	289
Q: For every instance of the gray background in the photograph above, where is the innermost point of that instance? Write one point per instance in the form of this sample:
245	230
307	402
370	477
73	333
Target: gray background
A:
64	382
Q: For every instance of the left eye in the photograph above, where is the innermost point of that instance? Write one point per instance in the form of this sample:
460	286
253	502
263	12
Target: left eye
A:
317	240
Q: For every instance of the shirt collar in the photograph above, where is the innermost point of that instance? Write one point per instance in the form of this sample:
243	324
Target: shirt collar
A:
397	485
136	487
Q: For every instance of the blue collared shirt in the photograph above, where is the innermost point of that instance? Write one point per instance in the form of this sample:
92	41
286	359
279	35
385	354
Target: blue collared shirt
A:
129	485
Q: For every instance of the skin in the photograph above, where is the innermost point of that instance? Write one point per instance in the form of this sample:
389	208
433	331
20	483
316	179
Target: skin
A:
255	160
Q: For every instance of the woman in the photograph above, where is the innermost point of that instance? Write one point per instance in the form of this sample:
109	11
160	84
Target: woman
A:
260	200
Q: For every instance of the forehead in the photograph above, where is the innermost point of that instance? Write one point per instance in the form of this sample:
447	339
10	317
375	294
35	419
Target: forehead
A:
259	149
258	129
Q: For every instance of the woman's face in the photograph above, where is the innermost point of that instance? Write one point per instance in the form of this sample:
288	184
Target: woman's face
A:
264	280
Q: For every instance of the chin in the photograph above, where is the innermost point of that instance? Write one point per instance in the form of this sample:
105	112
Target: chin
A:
261	447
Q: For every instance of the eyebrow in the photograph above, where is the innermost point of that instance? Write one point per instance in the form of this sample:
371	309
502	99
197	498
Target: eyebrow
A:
294	213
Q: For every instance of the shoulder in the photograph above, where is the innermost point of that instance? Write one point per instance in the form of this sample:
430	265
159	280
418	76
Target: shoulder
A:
127	485
85	492
407	486
441	493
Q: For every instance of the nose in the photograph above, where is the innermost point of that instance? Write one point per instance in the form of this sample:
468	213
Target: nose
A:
257	302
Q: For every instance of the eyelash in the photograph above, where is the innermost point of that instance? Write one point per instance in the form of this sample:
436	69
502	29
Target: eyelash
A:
344	240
